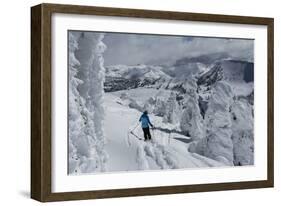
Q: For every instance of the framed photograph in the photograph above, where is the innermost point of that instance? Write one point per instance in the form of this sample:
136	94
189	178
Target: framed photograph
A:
128	102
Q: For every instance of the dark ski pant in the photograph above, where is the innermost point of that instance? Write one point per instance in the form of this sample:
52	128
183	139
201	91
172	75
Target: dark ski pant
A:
146	133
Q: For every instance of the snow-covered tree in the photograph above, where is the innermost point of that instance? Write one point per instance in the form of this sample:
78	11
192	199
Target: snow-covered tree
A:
217	143
96	94
76	102
149	105
172	110
191	120
159	107
242	132
86	88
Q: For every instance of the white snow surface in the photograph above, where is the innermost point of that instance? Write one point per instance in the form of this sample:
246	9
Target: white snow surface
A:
242	88
127	153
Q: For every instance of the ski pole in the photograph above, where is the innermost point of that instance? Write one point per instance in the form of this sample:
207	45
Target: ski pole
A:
128	139
153	136
169	138
135	136
135	127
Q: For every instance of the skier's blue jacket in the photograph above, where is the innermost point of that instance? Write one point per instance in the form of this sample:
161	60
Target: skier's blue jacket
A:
145	122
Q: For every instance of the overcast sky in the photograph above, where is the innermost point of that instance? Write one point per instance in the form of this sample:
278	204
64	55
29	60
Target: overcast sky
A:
132	49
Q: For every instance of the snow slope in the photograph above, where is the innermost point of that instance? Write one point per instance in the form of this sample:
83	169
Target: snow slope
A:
127	153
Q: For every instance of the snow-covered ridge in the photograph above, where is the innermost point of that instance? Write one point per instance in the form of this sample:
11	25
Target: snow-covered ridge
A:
228	70
121	77
134	72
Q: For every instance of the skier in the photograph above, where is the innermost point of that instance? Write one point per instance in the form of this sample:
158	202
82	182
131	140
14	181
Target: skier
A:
145	123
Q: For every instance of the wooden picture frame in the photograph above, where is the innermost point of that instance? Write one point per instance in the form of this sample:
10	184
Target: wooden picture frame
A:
41	96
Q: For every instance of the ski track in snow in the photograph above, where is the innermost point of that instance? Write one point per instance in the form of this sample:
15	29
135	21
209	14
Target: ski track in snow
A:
127	153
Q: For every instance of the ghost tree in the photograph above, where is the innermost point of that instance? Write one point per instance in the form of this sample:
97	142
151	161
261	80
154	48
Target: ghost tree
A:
191	120
172	110
76	105
90	141
242	132
217	143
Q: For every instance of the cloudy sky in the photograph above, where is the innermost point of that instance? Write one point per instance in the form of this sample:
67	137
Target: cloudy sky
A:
132	49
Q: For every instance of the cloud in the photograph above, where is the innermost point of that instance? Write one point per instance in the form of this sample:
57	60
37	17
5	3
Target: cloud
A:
134	49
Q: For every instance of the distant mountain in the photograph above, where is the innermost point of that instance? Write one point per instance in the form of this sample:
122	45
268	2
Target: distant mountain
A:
136	72
122	77
213	75
207	69
229	70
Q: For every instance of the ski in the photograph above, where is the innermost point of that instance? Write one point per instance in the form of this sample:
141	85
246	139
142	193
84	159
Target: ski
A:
136	136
